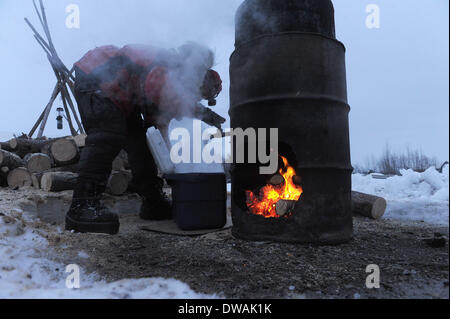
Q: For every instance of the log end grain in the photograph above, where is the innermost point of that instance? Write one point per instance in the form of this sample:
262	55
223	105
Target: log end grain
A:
64	151
19	177
38	162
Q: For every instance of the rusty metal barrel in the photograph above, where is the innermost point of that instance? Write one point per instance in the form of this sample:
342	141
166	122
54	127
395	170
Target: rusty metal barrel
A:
288	72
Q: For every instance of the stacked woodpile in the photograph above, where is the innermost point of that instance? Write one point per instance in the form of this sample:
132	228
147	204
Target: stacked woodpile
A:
52	164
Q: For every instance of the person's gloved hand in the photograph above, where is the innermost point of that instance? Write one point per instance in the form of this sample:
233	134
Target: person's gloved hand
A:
208	116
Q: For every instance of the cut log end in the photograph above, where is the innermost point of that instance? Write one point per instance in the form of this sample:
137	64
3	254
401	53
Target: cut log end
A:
13	143
10	160
64	152
38	162
379	208
19	177
368	205
284	207
118	183
58	181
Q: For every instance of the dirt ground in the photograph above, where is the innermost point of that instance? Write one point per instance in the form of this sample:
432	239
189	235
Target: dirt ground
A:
218	263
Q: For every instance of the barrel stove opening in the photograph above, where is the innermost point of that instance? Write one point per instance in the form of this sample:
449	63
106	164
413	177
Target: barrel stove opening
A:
269	196
288	72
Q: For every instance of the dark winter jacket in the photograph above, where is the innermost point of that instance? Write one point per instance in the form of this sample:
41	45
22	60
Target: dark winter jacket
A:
132	77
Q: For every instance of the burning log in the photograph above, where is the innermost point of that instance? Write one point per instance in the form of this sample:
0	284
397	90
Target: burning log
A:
58	181
264	201
19	177
38	162
284	207
10	160
118	183
368	205
64	152
276	180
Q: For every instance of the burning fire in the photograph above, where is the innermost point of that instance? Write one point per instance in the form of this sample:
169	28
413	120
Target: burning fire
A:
265	203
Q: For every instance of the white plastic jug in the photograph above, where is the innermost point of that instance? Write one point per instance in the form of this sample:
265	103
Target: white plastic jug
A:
160	151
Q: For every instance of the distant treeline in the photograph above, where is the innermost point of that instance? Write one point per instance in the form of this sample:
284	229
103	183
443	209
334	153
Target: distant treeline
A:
391	162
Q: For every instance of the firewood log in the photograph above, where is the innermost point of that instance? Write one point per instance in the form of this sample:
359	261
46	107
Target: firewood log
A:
58	181
276	180
24	146
38	162
3	176
118	183
80	140
36	177
284	207
64	152
10	160
19	177
368	205
36	180
5	146
120	163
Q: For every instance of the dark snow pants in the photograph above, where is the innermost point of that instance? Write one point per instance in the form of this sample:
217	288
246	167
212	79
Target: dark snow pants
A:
109	131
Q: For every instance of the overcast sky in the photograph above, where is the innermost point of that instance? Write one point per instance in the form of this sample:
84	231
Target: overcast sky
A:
397	74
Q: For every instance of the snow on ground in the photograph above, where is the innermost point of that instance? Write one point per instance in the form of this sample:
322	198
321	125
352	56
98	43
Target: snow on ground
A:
27	270
411	196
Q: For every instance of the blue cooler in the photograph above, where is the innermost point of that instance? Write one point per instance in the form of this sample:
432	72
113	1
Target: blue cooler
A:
199	200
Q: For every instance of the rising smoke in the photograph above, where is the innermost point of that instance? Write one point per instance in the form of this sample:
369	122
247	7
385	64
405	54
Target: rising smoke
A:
182	90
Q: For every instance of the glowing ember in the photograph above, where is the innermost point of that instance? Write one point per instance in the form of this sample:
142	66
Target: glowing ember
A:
265	203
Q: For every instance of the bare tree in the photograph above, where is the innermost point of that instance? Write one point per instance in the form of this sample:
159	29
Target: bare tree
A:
391	162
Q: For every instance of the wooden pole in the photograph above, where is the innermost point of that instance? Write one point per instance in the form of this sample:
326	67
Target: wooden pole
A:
72	107
69	119
48	108
63	75
45	26
37	34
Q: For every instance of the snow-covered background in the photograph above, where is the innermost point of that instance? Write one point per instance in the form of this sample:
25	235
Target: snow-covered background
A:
411	196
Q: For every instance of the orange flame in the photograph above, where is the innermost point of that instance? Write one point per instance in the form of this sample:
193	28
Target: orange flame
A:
265	203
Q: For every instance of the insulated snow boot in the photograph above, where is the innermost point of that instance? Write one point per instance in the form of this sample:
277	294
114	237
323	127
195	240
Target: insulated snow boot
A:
87	215
155	204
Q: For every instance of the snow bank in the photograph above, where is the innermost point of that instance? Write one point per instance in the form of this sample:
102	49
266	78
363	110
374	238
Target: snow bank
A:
411	196
27	270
